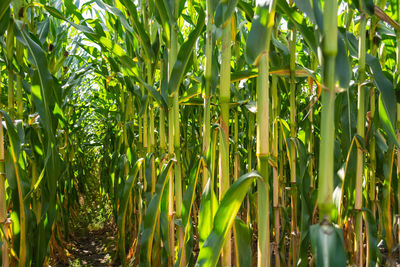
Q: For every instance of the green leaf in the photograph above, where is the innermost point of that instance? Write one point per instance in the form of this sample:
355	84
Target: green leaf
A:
206	213
387	125
305	7
4	22
342	64
257	39
387	98
224	218
164	16
138	27
184	55
126	193
152	214
247	8
242	243
224	11
4	7
298	20
188	200
44	93
372	245
14	139
327	245
366	6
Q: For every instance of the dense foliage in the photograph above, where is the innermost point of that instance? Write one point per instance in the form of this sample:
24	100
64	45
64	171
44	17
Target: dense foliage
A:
231	132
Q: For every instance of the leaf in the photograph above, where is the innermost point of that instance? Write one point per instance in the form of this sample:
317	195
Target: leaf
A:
165	19
298	20
44	93
4	7
188	200
367	6
184	55
387	125
342	65
247	8
4	21
138	27
224	12
124	199
387	98
156	94
224	218
242	243
305	7
14	139
258	37
372	230
327	245
152	214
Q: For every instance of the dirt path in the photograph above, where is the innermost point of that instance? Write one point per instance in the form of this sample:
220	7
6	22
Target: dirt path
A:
91	248
96	248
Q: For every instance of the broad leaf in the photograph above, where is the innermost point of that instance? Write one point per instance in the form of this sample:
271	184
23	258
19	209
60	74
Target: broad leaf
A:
224	218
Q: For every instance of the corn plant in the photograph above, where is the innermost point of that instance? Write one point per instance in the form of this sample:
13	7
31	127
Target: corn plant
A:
223	133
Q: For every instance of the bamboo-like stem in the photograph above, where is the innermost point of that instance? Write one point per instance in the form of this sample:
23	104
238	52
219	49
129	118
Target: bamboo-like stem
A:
3	197
387	204
162	137
275	172
263	149
207	90
224	96
19	57
361	132
263	152
236	125
311	119
10	93
236	149
151	129
250	135
398	115
10	54
292	81
173	52
325	185
22	217
398	163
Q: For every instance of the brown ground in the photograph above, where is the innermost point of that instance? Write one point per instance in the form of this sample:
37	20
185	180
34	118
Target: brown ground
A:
94	248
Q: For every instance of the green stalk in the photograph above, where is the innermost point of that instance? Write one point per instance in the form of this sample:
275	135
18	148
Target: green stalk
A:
236	149
250	134
22	217
398	114
151	128
311	119
372	141
207	90
325	185
10	54
236	124
172	122
275	146
225	96
263	154
361	132
398	163
293	153
3	197
178	175
163	138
